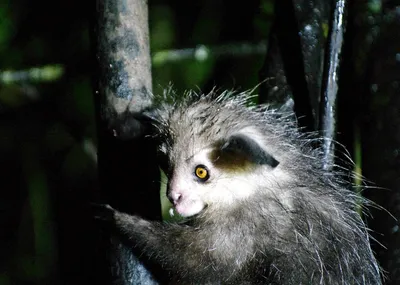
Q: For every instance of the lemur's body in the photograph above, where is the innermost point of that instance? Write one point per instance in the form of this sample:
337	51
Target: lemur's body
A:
263	211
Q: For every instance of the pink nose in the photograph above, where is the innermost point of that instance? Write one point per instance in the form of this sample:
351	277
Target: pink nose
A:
175	197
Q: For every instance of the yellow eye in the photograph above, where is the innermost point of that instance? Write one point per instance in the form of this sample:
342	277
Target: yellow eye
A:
201	172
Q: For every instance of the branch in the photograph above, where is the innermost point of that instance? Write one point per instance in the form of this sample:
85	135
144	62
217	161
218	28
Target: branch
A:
36	74
158	59
203	52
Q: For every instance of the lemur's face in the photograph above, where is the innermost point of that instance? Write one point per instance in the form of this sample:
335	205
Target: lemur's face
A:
198	183
219	175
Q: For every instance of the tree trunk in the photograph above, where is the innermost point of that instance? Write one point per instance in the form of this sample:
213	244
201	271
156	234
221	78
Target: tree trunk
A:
128	171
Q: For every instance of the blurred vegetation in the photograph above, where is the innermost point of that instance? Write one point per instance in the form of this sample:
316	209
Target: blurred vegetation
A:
47	127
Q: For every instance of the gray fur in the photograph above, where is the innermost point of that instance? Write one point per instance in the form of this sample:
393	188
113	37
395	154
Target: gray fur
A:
297	225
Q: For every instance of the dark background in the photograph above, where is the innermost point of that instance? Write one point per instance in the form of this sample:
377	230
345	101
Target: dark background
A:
47	123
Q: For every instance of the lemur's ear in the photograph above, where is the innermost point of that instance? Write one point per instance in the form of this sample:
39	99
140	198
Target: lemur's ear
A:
243	147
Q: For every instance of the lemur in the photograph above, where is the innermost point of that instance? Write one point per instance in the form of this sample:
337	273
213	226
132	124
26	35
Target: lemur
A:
259	208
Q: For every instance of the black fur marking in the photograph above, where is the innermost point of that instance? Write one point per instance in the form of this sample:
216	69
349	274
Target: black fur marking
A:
244	146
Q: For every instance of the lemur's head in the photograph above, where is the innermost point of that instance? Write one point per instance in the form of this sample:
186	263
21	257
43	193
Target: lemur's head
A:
216	153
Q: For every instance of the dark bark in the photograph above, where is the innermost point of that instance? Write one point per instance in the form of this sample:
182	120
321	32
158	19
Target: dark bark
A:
294	62
369	103
128	171
295	66
330	83
274	88
380	134
312	16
